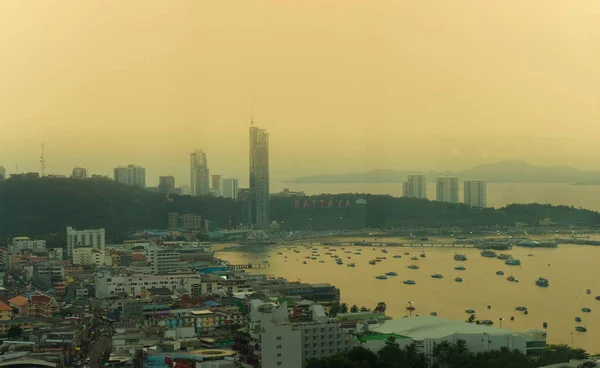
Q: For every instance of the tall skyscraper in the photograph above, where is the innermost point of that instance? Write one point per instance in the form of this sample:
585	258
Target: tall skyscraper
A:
415	186
199	173
131	175
79	173
2	173
447	189
166	184
475	193
228	188
259	175
215	182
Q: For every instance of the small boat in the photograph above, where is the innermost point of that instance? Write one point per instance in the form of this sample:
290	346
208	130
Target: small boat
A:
437	276
580	329
489	306
372	262
489	253
397	256
460	257
530	255
587	310
357	253
577	319
381	277
392	273
343	248
384	251
351	265
526	312
433	314
501	273
460	268
313	258
521	308
304	262
409	282
339	261
296	251
321	261
328	253
597	297
414	258
486	322
504	256
359	250
378	260
406	253
307	257
511	278
470	311
422	255
588	291
279	253
380	257
413	267
542	282
512	262
458	279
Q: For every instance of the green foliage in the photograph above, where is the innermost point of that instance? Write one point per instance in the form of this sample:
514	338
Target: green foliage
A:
14	332
354	308
343	308
561	353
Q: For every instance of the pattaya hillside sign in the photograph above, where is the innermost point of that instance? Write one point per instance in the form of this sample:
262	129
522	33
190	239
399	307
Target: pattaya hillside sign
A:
326	203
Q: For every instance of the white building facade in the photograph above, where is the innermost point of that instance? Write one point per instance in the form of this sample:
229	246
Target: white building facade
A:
415	186
82	238
108	285
162	259
130	175
447	189
475	193
228	188
21	244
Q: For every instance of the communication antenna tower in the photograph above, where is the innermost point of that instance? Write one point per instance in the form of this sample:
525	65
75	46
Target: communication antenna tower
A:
43	162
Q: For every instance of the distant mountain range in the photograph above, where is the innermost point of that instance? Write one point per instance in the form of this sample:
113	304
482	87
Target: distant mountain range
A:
513	171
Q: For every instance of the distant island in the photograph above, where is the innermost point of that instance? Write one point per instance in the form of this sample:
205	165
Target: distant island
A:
512	171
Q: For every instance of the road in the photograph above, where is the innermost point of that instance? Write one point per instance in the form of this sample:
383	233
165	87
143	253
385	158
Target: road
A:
99	352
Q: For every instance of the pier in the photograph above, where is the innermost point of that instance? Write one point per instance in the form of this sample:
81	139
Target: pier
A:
248	266
382	244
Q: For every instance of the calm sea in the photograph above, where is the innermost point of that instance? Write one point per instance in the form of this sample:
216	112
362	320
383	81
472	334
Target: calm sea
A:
498	195
570	269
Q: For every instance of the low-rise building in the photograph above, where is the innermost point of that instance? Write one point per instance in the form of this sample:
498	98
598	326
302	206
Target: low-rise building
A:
21	244
53	269
108	285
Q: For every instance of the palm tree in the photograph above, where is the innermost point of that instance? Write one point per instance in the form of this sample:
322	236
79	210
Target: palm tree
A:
343	308
381	307
364	309
354	308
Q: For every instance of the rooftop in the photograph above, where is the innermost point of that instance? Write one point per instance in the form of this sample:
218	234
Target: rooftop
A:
380	336
5	307
424	327
18	300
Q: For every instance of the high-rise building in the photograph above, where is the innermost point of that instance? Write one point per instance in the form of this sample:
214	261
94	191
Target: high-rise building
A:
475	193
246	207
131	175
228	188
216	182
85	238
163	259
199	173
415	186
184	190
166	184
2	173
79	173
259	175
447	189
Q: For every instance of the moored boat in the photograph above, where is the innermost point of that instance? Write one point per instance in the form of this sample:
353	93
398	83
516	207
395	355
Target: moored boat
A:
489	253
512	262
339	261
500	273
372	262
458	279
460	257
413	267
409	282
422	255
414	258
580	329
587	310
381	277
392	273
397	256
460	268
577	319
351	265
542	282
437	276
504	256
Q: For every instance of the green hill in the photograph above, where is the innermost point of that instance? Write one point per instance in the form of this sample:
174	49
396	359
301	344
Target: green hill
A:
34	207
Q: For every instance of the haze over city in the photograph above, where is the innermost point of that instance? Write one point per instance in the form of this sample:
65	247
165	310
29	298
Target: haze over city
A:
341	86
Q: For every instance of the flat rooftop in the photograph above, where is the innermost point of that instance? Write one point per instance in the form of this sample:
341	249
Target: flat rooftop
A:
424	327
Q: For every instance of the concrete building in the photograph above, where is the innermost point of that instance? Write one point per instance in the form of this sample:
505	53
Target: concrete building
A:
163	260
259	176
188	222
184	190
447	189
23	243
199	173
166	184
475	193
88	256
79	173
415	186
108	285
228	188
52	269
82	238
130	175
246	205
216	182
55	254
426	332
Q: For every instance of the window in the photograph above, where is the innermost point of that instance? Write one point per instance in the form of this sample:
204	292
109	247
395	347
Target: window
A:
278	355
278	337
278	363
278	346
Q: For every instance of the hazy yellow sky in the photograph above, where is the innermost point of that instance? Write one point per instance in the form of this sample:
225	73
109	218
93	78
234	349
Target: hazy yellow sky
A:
342	86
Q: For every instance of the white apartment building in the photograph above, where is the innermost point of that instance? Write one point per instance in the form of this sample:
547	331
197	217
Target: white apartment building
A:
291	345
447	189
162	259
195	246
199	173
130	175
55	254
20	244
79	173
415	186
208	284
85	238
475	193
55	270
228	188
108	285
88	256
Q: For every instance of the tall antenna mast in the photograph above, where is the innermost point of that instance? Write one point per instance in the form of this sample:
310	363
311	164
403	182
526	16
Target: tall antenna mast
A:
252	116
43	162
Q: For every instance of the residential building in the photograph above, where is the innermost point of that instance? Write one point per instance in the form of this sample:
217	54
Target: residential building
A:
259	176
228	188
131	175
79	173
95	238
199	173
475	193
286	192
166	184
184	190
53	270
55	254
210	284
216	182
190	223
24	324
21	244
5	312
426	332
447	189
415	186
83	256
2	173
163	259
246	207
108	285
